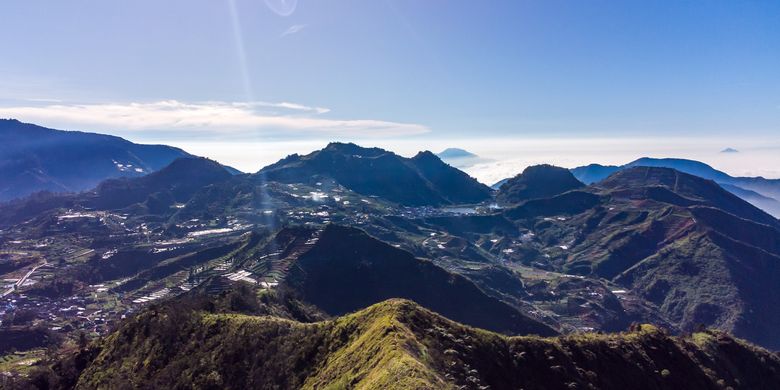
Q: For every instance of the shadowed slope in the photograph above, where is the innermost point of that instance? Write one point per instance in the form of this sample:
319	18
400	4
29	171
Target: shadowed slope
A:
539	181
175	183
422	180
156	193
683	243
34	158
686	190
348	270
761	192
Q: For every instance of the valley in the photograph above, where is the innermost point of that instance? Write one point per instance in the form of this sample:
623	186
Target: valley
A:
389	195
646	245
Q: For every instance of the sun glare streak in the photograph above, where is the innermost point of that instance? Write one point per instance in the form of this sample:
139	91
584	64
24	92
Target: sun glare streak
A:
238	39
241	51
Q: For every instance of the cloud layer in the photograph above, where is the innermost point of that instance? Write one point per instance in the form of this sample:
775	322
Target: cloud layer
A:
208	118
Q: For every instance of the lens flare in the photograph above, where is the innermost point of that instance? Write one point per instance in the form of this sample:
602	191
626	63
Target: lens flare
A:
282	7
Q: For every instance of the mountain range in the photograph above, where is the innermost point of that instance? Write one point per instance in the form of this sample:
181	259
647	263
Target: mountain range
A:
156	193
34	158
395	344
761	192
354	267
379	272
539	181
421	180
697	252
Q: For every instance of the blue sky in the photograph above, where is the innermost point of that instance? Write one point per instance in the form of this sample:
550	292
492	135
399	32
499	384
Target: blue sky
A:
186	71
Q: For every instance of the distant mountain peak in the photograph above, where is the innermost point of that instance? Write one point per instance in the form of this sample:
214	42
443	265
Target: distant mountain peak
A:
668	163
639	176
34	158
538	181
350	148
542	170
192	163
729	150
182	178
426	155
455	153
341	145
756	190
690	188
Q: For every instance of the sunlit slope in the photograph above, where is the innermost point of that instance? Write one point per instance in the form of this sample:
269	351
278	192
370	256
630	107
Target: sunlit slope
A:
397	344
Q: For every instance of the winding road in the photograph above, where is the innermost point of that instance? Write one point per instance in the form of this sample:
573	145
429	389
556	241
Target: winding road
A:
24	278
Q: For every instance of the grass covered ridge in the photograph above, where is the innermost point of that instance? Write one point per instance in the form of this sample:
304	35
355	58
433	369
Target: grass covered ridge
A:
397	344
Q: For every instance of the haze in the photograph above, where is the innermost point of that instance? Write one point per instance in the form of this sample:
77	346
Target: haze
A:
247	82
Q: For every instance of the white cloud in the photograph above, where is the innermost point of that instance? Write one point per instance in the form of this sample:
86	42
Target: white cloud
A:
204	118
512	154
43	100
284	105
295	28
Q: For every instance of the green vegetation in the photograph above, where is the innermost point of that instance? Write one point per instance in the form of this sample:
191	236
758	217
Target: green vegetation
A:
645	245
21	362
693	252
397	344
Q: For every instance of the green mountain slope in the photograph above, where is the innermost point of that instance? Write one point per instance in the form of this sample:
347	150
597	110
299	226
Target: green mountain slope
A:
698	253
397	344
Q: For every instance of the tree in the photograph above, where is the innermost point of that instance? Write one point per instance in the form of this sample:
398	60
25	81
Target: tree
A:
83	341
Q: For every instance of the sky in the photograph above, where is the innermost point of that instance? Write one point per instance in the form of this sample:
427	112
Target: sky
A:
247	82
